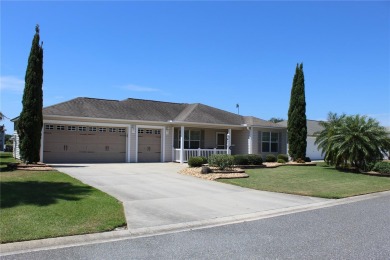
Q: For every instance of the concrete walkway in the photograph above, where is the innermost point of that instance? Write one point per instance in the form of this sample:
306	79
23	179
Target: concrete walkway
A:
155	196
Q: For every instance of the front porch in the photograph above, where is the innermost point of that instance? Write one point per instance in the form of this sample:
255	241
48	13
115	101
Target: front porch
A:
188	153
196	141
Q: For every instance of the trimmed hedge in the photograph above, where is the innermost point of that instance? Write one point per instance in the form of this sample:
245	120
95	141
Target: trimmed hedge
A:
195	161
241	159
255	159
222	161
281	161
382	167
284	157
270	158
248	159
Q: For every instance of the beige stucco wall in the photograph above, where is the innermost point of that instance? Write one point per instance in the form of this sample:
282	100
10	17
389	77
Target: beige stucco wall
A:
240	141
168	145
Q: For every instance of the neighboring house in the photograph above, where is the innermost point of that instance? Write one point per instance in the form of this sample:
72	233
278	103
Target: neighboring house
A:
87	130
313	127
2	138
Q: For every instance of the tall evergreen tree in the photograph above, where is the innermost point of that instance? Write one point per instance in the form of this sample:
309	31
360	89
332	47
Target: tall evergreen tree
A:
296	125
30	120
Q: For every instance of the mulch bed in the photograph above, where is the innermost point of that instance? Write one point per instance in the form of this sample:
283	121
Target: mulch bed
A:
216	174
30	167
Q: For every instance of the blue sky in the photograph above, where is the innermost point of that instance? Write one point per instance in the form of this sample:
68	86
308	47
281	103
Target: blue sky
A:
215	53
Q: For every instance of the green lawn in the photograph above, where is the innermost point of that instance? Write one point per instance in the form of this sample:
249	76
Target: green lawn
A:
319	181
47	204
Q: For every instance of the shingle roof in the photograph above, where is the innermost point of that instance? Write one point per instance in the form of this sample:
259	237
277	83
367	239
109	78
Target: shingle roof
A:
149	110
251	120
313	126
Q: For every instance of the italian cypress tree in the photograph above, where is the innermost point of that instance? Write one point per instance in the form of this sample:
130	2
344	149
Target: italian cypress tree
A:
296	125
30	120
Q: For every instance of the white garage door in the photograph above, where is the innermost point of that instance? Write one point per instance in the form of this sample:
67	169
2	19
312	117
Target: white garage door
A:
312	150
149	145
83	144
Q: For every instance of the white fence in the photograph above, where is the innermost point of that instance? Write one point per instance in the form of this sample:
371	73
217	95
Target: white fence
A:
188	153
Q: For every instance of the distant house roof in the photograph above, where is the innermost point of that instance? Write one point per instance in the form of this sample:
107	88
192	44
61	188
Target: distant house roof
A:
313	126
149	110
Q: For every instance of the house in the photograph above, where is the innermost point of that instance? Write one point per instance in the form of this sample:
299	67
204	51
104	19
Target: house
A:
88	130
313	127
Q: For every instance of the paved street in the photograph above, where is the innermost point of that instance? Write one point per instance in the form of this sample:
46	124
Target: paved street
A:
358	230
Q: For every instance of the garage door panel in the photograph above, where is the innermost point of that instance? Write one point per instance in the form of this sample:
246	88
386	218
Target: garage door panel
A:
149	146
83	147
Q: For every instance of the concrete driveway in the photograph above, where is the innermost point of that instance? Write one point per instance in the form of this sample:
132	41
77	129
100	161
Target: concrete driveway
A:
154	195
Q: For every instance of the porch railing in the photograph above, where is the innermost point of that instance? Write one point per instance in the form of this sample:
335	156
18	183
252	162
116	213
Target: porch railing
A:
188	153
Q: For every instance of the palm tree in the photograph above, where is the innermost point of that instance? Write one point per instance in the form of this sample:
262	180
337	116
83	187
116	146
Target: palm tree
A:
323	138
355	141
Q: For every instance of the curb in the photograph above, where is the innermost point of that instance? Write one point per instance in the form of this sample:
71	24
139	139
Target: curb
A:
79	240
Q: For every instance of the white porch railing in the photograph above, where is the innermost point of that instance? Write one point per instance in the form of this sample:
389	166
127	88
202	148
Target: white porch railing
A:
188	153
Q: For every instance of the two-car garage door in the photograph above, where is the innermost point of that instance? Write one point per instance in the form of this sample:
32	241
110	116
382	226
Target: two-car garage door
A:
83	144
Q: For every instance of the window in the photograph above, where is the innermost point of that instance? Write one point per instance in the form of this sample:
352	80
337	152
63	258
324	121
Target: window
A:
121	130
112	130
61	127
192	139
71	128
49	127
92	129
82	128
102	129
157	132
269	142
148	131
140	131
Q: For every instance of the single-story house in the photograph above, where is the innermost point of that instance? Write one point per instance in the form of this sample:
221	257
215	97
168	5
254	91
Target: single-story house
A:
88	130
313	127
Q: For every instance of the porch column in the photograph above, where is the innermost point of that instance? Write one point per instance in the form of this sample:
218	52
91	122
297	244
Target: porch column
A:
229	141
182	144
250	140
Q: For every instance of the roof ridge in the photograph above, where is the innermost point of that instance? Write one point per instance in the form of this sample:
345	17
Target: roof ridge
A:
104	99
157	101
186	112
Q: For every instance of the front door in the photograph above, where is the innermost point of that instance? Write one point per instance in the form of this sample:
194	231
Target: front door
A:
221	140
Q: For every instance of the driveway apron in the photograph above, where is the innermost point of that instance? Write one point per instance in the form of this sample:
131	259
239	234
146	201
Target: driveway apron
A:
155	195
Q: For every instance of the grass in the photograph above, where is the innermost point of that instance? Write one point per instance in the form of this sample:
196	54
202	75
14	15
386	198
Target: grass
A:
318	181
46	204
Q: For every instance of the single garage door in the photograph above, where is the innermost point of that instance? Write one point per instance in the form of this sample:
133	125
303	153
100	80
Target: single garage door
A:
149	145
83	144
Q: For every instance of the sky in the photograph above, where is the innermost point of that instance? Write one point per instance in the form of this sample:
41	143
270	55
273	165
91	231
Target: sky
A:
219	53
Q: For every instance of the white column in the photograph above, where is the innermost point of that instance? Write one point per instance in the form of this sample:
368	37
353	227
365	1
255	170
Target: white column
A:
250	140
42	142
182	144
229	141
128	138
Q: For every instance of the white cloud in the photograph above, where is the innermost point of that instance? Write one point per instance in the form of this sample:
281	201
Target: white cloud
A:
11	83
140	89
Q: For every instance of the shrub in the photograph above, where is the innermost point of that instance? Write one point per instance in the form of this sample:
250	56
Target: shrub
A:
284	157
195	161
240	159
270	158
221	161
204	159
248	159
300	160
254	159
307	159
281	161
382	167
